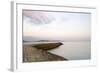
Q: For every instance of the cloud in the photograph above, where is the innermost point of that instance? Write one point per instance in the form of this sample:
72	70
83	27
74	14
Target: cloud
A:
38	17
64	26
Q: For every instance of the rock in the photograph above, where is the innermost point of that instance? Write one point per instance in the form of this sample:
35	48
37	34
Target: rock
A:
47	46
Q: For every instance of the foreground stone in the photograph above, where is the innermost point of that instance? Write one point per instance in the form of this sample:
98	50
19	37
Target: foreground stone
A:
47	46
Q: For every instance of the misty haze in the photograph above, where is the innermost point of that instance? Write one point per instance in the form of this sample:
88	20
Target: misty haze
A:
56	36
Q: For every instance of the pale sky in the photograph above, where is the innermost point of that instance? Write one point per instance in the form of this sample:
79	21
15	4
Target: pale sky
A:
56	25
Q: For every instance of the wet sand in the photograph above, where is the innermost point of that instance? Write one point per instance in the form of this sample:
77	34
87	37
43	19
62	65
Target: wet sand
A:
33	54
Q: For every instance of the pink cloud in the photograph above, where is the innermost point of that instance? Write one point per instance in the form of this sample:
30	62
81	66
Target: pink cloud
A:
38	17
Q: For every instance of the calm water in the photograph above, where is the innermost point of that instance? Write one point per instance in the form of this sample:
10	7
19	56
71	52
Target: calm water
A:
74	50
77	50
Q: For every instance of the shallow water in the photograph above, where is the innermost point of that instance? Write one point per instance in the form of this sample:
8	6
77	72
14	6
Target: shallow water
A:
77	50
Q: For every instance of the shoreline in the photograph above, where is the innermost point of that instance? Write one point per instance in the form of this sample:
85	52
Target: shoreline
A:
32	54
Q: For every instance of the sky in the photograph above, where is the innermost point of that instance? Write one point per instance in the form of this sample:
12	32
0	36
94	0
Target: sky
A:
48	25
